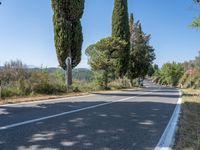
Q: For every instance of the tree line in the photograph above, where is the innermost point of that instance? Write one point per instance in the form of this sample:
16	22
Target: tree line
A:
184	75
125	53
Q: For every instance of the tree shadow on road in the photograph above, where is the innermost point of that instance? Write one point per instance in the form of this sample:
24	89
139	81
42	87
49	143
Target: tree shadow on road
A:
160	95
121	126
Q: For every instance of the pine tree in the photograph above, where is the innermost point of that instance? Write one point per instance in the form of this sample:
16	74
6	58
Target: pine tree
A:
104	55
68	33
120	29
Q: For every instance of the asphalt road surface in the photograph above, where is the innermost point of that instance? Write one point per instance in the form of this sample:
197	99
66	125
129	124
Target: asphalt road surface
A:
123	120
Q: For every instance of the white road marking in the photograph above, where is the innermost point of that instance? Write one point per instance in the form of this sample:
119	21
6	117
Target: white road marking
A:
167	139
68	112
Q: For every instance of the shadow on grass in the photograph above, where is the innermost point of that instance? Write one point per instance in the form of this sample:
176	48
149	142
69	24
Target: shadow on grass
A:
191	95
188	134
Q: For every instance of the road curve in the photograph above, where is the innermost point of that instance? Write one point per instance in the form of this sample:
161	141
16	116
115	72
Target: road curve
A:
122	120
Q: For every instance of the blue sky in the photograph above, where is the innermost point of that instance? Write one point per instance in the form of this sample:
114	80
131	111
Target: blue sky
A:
26	30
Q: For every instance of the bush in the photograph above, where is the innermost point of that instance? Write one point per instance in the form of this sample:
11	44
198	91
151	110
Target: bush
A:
11	91
121	83
170	74
44	83
81	86
17	80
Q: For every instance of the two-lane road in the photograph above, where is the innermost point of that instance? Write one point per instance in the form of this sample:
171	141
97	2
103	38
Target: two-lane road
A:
123	120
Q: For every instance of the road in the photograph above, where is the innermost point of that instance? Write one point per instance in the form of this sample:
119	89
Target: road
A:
121	120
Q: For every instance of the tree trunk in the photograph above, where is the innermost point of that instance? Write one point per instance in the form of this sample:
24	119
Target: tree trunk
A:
106	79
131	82
69	71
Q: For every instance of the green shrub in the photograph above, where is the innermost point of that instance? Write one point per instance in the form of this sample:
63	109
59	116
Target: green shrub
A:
81	86
17	80
120	83
44	83
11	91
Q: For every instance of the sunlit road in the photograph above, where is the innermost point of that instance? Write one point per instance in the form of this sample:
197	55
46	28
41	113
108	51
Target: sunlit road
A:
123	120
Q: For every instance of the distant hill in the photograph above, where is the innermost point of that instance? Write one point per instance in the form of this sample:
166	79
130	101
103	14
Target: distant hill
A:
82	74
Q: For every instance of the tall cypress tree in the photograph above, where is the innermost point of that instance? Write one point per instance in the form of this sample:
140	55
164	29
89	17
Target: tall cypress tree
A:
68	33
131	23
120	28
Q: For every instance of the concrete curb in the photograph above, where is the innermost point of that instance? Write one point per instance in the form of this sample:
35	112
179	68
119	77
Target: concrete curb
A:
167	140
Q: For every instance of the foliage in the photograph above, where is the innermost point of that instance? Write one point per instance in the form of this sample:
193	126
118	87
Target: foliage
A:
68	33
141	53
120	29
151	71
17	80
68	30
121	83
179	74
82	74
196	22
170	74
82	86
104	57
192	80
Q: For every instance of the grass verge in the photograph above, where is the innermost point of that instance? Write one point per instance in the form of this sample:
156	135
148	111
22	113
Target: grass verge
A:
38	97
188	134
41	97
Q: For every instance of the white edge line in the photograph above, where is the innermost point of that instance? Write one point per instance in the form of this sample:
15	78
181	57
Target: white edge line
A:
67	113
167	139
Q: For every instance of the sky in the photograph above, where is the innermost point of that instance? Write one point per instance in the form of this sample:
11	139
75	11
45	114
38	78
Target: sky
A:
26	29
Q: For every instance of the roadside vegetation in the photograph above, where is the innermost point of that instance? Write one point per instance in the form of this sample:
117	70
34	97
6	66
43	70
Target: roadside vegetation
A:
182	75
188	134
118	61
17	80
187	77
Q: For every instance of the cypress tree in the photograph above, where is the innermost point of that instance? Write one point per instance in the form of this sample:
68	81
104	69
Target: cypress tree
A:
120	28
68	33
131	23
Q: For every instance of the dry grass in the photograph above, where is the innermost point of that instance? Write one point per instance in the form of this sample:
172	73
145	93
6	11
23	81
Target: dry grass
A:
14	100
188	135
17	99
